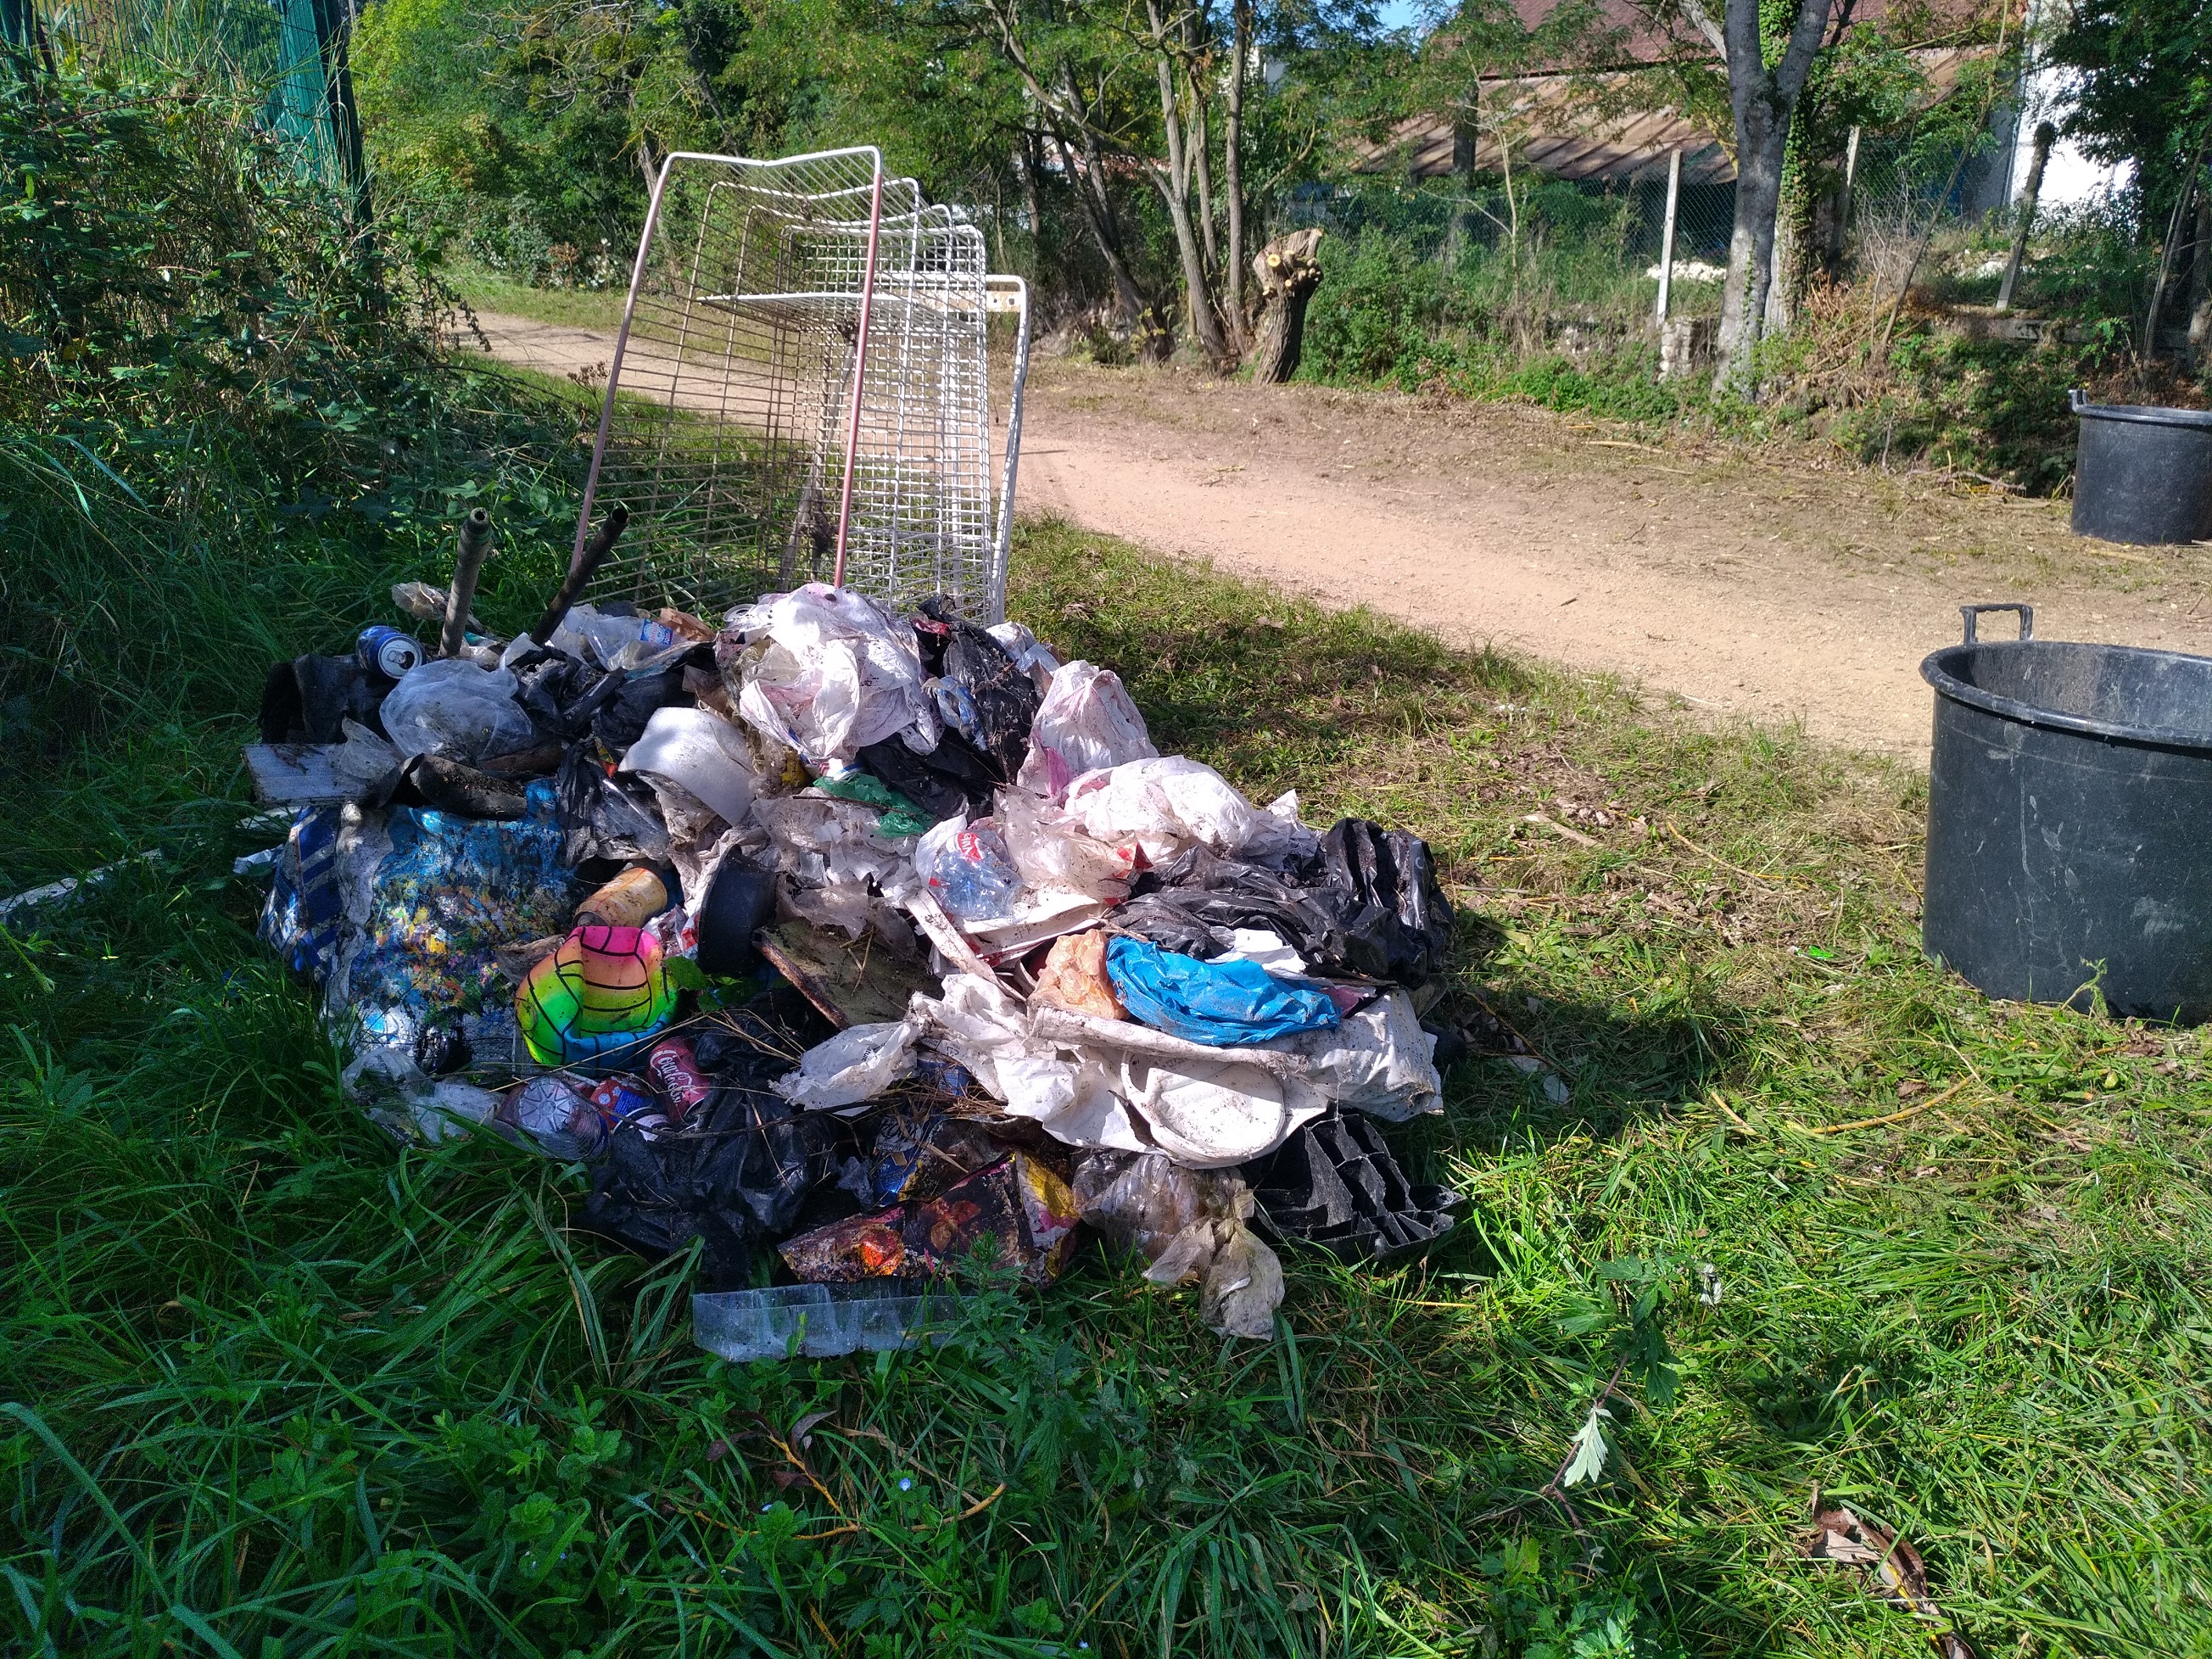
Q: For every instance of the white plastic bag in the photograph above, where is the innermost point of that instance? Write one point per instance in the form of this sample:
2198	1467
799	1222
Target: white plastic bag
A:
836	674
1378	1059
1164	805
1086	724
1054	855
1070	1094
851	1068
459	710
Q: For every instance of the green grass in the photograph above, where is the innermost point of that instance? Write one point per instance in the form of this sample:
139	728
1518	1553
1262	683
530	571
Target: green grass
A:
279	1388
570	307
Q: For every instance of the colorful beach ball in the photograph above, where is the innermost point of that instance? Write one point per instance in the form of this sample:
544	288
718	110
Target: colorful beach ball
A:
603	989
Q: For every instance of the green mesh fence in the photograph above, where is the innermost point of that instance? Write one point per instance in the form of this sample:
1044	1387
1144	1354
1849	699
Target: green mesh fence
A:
290	55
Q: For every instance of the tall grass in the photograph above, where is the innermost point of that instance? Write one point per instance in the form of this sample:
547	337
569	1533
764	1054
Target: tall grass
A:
270	1385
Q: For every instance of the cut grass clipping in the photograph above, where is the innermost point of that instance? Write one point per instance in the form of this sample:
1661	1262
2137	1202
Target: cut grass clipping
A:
1844	1233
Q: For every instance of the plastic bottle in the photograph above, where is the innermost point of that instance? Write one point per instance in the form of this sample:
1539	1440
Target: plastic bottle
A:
968	869
557	1113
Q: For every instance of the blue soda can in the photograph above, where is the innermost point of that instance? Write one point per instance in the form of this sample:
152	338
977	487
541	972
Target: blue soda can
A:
388	651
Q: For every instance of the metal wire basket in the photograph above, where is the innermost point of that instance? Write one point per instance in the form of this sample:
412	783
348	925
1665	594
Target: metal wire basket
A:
800	390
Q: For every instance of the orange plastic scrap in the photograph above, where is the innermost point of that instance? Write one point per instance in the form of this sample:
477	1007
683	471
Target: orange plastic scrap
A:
1074	977
1019	1202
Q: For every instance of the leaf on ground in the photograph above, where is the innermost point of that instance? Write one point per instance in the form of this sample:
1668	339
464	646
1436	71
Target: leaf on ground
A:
1840	1535
1588	1463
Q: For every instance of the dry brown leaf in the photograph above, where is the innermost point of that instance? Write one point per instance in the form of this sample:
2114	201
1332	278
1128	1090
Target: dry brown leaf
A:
1840	1535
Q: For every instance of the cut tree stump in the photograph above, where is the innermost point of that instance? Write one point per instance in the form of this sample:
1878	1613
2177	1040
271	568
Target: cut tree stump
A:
1289	271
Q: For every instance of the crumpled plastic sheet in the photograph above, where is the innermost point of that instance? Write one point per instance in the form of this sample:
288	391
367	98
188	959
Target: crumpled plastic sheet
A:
1408	938
1087	723
454	709
702	753
1099	1082
1054	854
836	674
1365	901
843	872
950	779
1225	1004
399	1097
1001	700
853	1067
979	1024
1377	1060
601	817
1029	656
736	1178
1169	803
1191	1225
429	898
1074	977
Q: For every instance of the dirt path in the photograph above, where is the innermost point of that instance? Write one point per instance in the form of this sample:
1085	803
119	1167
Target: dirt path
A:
1751	589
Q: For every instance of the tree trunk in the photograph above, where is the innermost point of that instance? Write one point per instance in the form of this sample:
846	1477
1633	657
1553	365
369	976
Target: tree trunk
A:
2200	283
1288	273
2046	135
1201	140
1762	101
1233	178
1088	176
1173	180
1025	158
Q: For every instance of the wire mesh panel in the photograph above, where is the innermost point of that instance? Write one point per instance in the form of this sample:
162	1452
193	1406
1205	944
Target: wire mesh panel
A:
920	520
785	317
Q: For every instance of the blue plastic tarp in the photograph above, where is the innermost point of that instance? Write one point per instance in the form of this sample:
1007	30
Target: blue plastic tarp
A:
1221	1003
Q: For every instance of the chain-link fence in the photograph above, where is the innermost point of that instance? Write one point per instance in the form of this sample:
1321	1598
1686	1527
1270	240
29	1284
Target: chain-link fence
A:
288	55
1583	250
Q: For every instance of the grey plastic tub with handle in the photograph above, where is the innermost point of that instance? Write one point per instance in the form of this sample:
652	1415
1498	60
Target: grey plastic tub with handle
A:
2069	821
2142	474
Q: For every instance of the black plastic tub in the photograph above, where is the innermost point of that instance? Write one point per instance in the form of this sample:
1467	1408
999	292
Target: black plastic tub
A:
2069	821
2143	474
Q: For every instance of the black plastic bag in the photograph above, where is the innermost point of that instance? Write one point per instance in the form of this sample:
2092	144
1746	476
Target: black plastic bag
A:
743	1167
604	814
951	779
1005	698
1192	904
1404	922
619	721
1335	1185
309	699
559	692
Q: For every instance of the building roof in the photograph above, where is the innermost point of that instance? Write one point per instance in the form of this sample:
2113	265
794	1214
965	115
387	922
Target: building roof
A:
1604	125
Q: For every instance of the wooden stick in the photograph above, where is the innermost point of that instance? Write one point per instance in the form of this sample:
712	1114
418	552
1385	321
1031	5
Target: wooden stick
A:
582	569
1913	1111
468	561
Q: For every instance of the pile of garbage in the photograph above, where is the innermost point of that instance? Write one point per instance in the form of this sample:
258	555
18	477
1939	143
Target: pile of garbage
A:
835	942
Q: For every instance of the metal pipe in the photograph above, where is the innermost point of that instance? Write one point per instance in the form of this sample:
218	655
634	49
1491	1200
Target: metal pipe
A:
859	372
581	568
468	561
